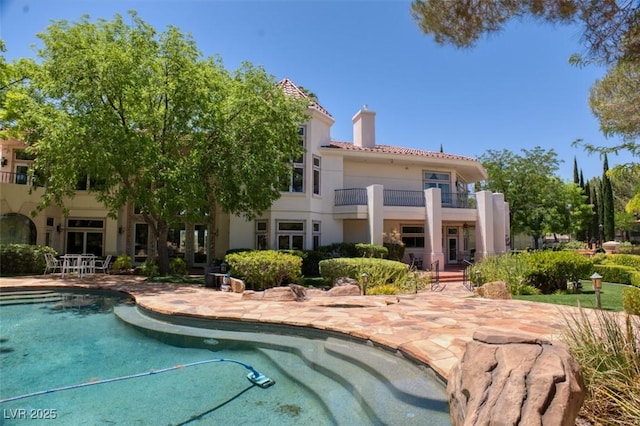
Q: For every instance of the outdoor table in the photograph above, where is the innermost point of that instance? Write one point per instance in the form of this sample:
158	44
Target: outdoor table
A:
81	264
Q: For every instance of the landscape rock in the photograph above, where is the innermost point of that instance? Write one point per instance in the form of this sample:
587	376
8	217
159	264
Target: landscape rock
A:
340	281
299	292
279	294
494	290
514	379
344	290
237	285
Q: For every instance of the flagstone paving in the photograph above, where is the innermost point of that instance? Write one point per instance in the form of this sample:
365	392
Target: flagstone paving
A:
431	327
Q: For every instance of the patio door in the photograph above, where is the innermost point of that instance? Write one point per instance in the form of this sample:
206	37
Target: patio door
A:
452	245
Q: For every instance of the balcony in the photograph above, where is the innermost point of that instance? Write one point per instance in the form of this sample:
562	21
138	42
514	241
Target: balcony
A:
402	198
16	178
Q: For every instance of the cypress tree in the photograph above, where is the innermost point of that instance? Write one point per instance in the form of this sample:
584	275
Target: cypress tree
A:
582	181
594	187
576	177
608	219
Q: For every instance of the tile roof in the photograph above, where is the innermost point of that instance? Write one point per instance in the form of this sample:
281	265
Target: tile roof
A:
291	89
388	149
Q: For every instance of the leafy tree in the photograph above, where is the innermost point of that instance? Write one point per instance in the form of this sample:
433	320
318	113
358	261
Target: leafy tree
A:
611	29
156	123
539	202
608	219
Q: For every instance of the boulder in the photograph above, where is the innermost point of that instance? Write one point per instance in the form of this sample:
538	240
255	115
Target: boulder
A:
237	285
279	294
344	290
514	379
299	292
494	290
345	281
252	295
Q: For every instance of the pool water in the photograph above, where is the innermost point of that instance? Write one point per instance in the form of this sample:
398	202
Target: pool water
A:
68	339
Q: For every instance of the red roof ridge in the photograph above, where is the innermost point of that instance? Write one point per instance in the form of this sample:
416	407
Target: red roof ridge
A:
290	88
389	149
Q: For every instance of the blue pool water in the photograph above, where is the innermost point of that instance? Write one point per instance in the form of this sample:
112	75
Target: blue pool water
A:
72	339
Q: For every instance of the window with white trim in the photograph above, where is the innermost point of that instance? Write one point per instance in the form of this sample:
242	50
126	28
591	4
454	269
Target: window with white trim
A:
316	235
295	181
412	236
290	235
438	180
316	175
262	235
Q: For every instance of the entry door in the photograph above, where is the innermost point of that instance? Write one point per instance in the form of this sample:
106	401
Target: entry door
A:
452	250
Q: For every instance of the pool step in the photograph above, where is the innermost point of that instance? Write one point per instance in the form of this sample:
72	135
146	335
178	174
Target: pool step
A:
29	297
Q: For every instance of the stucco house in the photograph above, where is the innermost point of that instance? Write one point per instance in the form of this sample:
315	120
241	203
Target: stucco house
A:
355	191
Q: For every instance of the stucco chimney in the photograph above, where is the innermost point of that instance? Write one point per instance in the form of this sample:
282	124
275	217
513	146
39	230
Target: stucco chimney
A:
364	128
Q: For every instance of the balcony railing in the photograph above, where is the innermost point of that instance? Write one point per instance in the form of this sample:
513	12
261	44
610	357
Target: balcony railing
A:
403	198
17	178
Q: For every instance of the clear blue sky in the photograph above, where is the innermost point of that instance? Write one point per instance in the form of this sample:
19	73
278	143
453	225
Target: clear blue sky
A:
514	90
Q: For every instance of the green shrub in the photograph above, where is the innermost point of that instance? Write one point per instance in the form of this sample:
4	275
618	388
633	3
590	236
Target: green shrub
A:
550	270
635	279
631	300
150	267
629	248
384	289
122	263
396	251
177	266
379	271
512	269
340	250
631	260
372	250
310	261
614	273
574	245
20	259
265	268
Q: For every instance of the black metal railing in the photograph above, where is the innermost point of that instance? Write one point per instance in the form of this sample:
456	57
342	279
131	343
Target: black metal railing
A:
403	198
351	197
459	200
16	178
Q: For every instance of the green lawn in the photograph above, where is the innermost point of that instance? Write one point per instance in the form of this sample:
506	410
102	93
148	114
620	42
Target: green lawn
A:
610	297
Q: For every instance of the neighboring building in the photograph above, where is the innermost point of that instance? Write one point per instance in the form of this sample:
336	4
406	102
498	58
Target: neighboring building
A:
338	192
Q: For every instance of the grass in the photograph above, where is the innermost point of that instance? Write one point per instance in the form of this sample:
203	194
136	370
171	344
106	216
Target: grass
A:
610	297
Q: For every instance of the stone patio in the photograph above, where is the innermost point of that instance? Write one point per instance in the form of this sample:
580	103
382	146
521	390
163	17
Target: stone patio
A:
431	327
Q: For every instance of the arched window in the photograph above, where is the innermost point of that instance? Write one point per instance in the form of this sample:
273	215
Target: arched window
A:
17	229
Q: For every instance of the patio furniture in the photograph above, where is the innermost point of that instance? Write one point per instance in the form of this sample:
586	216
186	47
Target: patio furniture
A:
81	264
102	265
52	264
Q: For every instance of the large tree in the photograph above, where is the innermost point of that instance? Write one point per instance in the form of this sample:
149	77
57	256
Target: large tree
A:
155	123
611	33
539	202
608	218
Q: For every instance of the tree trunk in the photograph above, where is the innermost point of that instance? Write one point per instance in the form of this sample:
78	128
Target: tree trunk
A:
213	234
163	251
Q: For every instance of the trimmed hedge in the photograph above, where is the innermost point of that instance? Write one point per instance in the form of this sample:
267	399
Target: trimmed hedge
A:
21	259
631	300
372	250
379	271
623	259
550	270
265	268
614	273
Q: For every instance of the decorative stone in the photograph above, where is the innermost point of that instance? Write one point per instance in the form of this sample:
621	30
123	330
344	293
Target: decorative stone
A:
611	247
299	292
344	290
345	281
494	290
237	285
252	295
514	379
279	294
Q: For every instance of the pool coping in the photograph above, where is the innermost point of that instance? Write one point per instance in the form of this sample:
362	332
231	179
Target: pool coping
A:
430	328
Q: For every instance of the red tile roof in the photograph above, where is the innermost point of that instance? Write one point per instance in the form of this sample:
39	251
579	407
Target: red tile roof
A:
291	89
388	149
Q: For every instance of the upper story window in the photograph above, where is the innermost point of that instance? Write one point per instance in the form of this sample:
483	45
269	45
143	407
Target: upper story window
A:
295	181
316	175
440	180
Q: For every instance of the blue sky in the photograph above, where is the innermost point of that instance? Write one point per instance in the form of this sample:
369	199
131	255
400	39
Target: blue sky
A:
515	90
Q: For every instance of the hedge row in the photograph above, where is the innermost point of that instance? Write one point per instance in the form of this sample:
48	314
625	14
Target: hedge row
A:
379	271
21	259
265	268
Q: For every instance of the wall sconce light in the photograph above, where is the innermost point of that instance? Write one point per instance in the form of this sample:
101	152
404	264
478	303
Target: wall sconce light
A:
3	162
120	230
58	229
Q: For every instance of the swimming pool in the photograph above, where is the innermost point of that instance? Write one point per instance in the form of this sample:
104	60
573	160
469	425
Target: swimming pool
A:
63	339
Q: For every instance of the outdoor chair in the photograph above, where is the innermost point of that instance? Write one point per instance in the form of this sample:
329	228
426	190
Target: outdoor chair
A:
103	265
52	264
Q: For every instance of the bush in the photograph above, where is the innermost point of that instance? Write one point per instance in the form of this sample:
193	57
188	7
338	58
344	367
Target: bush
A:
310	261
265	268
340	250
16	259
396	251
372	250
122	263
631	300
150	267
379	271
510	268
631	260
177	266
614	273
550	270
